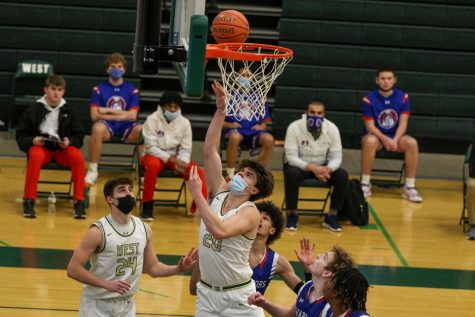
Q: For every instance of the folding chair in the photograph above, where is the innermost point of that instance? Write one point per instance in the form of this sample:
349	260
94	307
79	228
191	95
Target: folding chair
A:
391	177
312	183
64	194
120	160
27	87
164	177
464	218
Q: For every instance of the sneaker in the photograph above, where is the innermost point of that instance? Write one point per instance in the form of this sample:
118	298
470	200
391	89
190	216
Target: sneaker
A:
29	208
331	222
79	210
471	233
292	222
411	194
91	177
366	188
147	211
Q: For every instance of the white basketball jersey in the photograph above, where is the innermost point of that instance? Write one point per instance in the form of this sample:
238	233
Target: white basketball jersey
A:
224	262
119	258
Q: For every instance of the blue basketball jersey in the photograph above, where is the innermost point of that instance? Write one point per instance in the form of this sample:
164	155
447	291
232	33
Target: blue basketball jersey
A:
122	97
246	125
385	111
263	273
303	306
327	312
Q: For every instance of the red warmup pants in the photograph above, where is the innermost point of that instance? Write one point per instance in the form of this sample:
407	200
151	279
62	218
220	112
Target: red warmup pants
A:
153	166
70	157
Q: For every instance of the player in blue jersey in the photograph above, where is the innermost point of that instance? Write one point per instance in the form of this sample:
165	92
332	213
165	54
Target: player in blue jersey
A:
264	261
310	301
346	294
253	132
114	107
385	113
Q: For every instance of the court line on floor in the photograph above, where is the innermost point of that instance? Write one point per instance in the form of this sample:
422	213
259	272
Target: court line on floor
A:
386	235
4	243
75	310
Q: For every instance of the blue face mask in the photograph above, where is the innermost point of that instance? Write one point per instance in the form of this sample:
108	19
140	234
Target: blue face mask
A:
116	73
244	82
171	115
314	122
238	185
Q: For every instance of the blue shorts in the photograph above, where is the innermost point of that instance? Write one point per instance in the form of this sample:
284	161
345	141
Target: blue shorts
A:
121	129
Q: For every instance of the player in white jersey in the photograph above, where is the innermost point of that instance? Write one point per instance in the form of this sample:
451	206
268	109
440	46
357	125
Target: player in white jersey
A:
228	226
119	247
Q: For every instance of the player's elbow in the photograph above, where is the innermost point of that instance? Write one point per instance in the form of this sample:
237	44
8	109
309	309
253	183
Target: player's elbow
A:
71	271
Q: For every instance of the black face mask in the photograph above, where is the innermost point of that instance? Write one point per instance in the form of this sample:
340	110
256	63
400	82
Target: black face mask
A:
126	204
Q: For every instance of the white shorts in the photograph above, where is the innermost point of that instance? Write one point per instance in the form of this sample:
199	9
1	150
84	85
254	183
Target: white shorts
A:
211	303
114	307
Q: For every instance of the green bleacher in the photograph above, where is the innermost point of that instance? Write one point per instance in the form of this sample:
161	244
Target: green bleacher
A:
338	45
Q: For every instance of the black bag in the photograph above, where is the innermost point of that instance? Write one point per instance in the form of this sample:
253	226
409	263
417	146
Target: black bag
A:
355	207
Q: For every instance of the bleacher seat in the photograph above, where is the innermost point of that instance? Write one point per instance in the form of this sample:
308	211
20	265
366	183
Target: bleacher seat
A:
27	87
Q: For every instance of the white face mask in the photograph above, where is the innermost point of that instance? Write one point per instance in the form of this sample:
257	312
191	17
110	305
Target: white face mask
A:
171	115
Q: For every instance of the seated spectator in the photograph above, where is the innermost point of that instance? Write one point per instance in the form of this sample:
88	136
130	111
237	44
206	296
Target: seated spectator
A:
168	141
253	132
313	150
470	195
346	294
114	109
51	130
385	112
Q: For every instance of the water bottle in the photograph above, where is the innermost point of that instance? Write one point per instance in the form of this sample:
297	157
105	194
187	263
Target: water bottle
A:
52	203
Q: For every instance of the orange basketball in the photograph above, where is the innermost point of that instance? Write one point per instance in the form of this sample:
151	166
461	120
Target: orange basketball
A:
230	26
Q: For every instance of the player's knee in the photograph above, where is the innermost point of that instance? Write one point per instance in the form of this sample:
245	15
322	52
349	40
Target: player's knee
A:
266	140
234	139
370	142
98	130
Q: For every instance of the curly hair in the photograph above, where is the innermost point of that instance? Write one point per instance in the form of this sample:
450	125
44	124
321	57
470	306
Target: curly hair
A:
275	215
341	259
265	179
115	58
112	183
351	286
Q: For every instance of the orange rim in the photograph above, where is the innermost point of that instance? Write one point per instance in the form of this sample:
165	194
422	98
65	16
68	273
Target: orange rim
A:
239	51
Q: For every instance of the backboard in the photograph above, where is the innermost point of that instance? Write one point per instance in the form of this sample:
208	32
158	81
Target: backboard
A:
189	28
186	47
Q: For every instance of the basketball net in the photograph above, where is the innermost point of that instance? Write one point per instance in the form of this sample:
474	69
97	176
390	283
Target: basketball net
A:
246	100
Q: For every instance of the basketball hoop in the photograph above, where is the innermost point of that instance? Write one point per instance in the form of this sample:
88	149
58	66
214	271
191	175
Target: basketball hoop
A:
248	71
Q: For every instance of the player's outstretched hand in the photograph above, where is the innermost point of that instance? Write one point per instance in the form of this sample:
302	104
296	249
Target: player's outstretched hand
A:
120	287
257	299
187	262
220	95
194	181
306	254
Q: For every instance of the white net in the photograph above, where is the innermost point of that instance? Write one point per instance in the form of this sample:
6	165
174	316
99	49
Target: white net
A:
247	82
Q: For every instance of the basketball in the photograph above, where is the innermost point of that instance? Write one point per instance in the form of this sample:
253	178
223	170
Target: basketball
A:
230	26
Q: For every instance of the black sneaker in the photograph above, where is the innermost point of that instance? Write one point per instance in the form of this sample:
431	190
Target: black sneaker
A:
331	222
147	211
79	210
292	222
29	208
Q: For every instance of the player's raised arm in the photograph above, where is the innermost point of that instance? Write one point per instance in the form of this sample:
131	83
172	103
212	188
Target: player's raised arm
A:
212	161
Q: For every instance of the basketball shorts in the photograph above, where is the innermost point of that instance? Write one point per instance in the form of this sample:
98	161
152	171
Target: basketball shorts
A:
113	307
121	129
212	303
250	140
